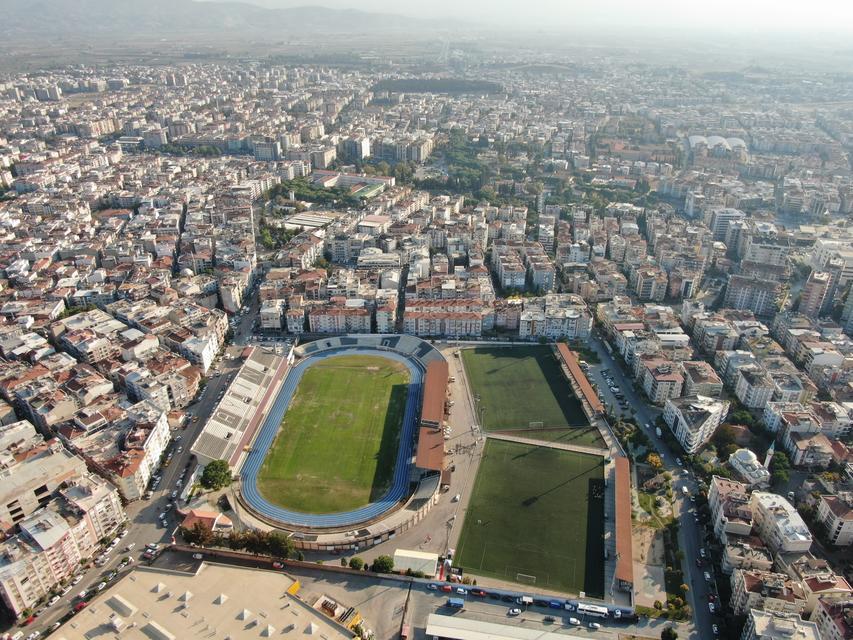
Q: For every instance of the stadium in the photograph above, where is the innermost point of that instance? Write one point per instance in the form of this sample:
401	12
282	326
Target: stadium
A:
329	442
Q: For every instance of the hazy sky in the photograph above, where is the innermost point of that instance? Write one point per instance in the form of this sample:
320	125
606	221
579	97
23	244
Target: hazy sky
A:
730	15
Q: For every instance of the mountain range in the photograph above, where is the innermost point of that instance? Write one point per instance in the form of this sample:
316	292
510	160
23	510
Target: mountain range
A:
25	19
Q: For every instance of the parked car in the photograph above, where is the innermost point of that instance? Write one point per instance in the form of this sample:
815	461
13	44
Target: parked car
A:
575	622
594	625
198	556
101	586
515	611
53	601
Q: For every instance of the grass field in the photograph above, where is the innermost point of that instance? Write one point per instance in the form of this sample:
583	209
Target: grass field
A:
536	511
337	445
583	436
520	385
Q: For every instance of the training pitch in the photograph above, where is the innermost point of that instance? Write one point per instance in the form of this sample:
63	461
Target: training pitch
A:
536	517
518	386
337	443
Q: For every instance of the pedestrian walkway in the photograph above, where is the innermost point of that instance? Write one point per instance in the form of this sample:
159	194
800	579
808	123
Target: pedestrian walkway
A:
595	451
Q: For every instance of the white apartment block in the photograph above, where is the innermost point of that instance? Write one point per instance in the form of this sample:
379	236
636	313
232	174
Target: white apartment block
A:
145	442
272	314
778	524
763	625
333	319
31	470
753	387
694	419
835	513
53	541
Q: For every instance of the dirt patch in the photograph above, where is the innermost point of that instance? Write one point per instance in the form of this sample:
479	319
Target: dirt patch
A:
648	565
648	545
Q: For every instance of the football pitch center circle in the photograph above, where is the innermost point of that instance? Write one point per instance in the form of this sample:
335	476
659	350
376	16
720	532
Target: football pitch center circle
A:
272	423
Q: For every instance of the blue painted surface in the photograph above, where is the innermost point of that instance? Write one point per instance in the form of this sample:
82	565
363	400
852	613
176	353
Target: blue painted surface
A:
269	429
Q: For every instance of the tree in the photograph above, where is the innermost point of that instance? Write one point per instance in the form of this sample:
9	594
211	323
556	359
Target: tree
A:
199	534
279	545
668	634
654	461
256	542
356	563
383	564
236	540
216	474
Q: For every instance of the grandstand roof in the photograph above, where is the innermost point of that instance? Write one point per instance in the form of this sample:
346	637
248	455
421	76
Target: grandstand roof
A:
588	392
435	392
624	548
430	453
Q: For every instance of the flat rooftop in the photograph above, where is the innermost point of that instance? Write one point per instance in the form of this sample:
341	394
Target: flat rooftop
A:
458	628
216	602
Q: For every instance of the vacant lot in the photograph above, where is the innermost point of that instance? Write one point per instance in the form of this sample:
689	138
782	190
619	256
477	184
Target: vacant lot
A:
337	444
518	386
536	516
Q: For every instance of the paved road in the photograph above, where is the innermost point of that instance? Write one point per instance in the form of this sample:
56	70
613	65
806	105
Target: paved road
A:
691	533
422	602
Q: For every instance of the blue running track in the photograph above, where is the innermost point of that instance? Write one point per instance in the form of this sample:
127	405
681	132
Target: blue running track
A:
269	429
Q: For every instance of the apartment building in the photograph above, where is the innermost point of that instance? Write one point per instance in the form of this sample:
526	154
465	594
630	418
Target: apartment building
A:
755	294
334	318
555	316
700	379
818	580
731	513
765	591
31	470
765	625
814	293
271	314
694	419
834	620
835	514
659	377
649	283
753	387
778	524
53	541
719	221
742	552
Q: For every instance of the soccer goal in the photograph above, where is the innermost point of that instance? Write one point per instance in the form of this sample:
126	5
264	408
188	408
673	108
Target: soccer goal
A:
525	578
535	425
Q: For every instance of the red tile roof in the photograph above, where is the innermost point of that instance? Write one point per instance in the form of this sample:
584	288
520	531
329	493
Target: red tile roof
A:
435	392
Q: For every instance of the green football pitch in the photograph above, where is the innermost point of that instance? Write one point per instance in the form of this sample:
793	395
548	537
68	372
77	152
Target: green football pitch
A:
337	444
520	386
536	517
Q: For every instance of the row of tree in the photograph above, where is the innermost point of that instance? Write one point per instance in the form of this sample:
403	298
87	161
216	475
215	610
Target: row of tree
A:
259	543
269	543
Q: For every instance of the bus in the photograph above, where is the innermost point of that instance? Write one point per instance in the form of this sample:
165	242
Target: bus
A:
455	603
592	610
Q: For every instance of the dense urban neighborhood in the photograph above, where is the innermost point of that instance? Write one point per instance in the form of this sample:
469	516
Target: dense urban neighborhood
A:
513	345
